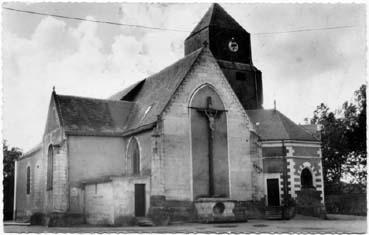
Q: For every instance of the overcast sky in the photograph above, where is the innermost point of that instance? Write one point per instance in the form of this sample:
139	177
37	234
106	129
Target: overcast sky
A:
300	70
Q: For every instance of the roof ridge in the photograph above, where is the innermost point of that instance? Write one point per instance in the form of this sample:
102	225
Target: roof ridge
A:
176	62
199	52
283	124
97	99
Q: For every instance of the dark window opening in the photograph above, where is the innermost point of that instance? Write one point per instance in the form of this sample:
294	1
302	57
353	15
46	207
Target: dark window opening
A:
50	162
306	179
134	157
240	76
28	180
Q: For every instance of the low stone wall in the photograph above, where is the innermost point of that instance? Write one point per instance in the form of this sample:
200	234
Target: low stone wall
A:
347	203
163	211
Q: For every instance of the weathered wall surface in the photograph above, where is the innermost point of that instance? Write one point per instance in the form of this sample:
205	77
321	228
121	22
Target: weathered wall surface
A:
40	199
99	206
124	195
56	200
178	157
93	157
26	204
200	145
113	202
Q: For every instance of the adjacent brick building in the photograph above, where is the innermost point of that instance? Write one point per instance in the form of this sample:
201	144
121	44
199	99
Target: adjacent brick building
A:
191	142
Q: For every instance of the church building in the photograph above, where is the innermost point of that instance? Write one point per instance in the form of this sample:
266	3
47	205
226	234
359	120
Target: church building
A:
189	143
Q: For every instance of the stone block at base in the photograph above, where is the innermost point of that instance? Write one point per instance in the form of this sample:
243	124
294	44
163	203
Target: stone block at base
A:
219	210
63	219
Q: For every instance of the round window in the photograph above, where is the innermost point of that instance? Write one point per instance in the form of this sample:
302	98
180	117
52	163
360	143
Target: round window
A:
218	208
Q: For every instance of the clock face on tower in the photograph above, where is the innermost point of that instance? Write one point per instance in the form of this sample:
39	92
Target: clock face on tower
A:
233	45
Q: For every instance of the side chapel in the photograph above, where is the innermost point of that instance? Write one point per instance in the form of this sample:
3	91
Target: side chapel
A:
191	142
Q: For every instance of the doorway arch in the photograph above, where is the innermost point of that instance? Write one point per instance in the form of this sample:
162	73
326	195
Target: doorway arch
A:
306	178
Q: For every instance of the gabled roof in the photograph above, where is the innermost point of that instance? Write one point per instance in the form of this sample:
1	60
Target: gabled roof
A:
157	90
216	16
117	116
126	91
273	125
88	116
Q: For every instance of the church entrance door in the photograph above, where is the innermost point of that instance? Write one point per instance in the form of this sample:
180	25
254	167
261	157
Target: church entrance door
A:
273	192
140	206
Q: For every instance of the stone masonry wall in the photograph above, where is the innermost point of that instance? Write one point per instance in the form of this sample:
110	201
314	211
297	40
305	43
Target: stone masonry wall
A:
56	200
27	204
176	126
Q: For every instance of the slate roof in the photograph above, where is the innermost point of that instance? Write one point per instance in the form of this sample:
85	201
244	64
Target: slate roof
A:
216	16
312	129
157	90
273	125
90	116
115	116
126	91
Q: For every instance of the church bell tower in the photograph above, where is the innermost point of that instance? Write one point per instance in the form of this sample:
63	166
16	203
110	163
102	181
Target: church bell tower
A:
231	46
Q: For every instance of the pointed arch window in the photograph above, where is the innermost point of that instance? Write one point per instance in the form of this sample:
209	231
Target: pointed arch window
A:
28	181
50	162
134	157
306	178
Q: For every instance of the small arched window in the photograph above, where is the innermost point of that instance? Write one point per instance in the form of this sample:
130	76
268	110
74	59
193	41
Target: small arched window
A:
306	178
134	157
50	162
28	181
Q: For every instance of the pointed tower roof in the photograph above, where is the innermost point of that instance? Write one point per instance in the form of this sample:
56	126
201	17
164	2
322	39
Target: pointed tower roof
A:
216	16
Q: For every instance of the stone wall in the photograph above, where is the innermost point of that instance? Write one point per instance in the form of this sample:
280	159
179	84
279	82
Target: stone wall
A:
299	155
27	204
99	204
176	126
40	199
93	157
113	202
56	200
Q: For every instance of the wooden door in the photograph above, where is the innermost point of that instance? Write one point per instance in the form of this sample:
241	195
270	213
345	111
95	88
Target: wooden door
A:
273	192
140	202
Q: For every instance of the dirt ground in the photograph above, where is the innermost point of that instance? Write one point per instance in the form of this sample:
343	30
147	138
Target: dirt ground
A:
300	224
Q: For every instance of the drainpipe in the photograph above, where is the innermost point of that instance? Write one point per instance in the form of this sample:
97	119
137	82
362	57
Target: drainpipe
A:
15	190
285	183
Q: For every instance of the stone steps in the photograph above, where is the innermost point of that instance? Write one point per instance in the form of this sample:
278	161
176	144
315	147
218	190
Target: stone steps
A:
144	222
274	212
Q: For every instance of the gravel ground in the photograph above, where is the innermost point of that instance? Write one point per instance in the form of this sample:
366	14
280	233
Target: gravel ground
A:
301	224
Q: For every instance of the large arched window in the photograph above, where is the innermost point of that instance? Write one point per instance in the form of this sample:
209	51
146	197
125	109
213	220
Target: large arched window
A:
306	178
28	182
50	162
133	157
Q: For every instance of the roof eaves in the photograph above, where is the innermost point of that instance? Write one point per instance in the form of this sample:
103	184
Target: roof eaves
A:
31	151
93	133
139	129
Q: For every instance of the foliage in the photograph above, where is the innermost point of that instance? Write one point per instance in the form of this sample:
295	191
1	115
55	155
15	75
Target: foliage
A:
9	156
343	136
